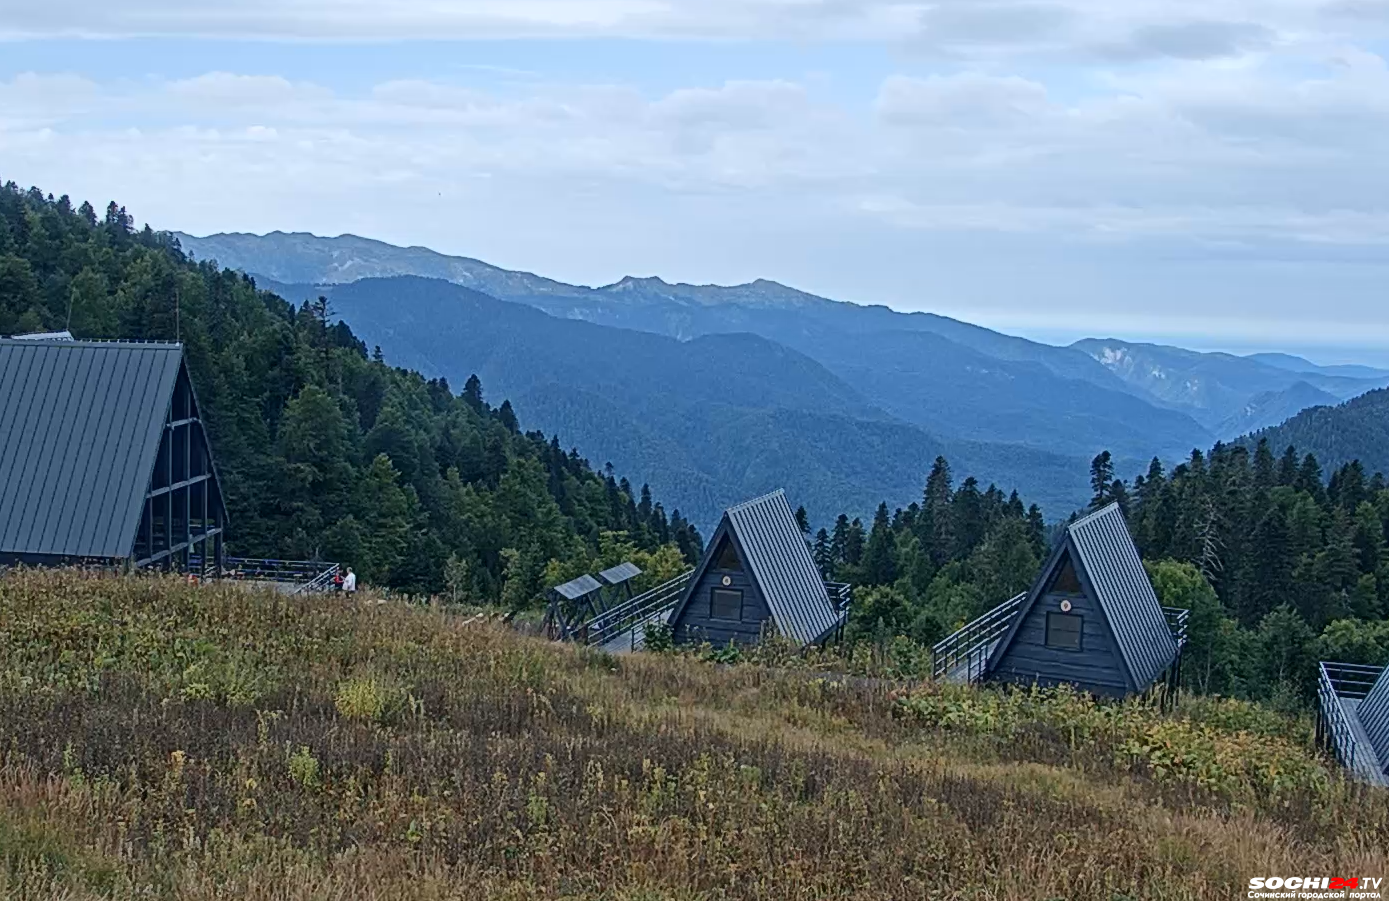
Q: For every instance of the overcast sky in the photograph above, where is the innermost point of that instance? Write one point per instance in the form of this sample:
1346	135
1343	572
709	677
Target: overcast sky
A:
1210	173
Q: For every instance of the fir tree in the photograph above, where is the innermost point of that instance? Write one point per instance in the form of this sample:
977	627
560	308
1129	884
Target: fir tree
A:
1101	479
879	566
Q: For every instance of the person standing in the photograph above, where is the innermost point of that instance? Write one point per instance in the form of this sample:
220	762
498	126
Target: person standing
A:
349	583
338	579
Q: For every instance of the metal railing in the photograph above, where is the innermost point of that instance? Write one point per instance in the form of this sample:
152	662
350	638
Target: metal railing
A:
321	582
1336	681
306	575
841	595
1177	618
642	610
969	646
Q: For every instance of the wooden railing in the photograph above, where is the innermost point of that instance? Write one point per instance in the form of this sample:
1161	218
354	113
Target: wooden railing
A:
969	646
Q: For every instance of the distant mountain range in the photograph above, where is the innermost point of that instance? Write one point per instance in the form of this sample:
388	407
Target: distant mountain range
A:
1229	394
848	403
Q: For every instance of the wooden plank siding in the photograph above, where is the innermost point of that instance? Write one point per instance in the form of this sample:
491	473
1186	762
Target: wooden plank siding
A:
696	625
1096	667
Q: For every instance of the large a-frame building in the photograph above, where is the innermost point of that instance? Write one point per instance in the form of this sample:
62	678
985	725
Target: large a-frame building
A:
103	457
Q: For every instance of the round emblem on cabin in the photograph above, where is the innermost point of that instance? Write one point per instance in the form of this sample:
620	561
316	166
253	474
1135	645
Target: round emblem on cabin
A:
1065	606
727	580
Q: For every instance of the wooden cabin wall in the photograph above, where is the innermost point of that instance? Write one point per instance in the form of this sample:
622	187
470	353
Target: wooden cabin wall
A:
1096	667
696	625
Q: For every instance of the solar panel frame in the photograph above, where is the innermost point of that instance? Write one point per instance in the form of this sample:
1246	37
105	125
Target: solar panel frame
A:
620	573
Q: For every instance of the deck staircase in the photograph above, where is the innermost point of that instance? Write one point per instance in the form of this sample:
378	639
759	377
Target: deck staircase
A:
1340	689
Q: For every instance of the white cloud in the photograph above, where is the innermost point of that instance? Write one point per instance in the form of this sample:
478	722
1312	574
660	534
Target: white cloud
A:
1198	148
1271	155
1184	29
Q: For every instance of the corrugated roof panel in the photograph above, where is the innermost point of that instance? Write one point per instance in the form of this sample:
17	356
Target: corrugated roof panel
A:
781	562
81	473
74	369
620	573
1374	717
35	385
80	424
143	428
1114	569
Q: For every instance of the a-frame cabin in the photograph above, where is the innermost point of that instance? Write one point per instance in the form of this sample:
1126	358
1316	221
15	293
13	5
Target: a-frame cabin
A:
1091	619
757	574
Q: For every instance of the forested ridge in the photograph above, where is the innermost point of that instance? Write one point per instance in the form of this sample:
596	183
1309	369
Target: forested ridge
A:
1355	430
323	449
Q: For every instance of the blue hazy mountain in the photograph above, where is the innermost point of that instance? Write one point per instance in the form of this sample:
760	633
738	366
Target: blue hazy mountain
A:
1000	398
707	422
1299	364
1228	394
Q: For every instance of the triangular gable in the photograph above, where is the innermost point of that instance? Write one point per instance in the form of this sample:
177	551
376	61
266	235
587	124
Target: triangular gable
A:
207	440
776	558
1104	558
183	376
724	532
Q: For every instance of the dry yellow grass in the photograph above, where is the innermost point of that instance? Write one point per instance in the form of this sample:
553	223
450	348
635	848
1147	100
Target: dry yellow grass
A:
169	741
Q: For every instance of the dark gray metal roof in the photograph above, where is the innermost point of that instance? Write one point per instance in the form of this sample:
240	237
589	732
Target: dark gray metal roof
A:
80	424
577	588
776	554
620	573
1107	557
1374	717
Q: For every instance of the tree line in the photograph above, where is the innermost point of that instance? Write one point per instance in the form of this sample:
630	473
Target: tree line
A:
1280	565
325	451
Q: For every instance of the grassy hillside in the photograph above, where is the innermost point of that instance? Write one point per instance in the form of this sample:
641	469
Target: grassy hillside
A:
170	741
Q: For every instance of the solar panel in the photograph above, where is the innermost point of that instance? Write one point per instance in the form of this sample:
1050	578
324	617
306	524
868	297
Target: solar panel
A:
620	573
577	588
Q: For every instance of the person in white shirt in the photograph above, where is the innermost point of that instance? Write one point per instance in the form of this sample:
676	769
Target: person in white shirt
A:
350	582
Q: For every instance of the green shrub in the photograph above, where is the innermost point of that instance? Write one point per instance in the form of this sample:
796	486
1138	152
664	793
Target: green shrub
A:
303	768
368	698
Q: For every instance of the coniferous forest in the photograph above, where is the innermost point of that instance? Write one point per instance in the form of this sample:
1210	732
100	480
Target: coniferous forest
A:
1279	564
325	450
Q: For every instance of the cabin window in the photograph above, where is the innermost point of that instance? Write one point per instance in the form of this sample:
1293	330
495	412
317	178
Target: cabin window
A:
1066	581
1063	631
728	557
725	603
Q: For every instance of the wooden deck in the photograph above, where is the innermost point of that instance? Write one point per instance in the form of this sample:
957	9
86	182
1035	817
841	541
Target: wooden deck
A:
633	639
